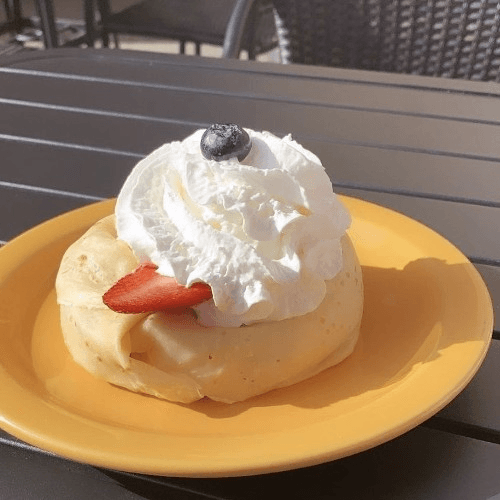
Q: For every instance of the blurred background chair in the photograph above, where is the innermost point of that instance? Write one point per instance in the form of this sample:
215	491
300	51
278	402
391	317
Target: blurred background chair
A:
241	24
448	38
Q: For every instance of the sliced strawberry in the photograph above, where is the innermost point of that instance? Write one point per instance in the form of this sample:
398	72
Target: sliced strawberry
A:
144	290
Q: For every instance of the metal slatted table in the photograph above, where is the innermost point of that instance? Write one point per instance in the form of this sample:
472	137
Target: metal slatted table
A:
74	122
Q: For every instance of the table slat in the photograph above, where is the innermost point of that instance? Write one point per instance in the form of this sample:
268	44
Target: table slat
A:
28	208
327	87
183	111
452	467
491	276
348	166
474	229
477	405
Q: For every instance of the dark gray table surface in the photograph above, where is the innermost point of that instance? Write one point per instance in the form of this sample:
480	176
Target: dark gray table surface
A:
73	123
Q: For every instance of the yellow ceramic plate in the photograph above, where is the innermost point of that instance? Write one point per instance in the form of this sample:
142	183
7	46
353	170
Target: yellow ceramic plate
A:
426	328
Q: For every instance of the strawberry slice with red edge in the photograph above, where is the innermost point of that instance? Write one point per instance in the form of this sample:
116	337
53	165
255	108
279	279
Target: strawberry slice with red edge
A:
144	290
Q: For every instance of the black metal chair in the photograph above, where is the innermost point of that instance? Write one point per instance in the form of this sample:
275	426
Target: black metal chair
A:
448	38
234	24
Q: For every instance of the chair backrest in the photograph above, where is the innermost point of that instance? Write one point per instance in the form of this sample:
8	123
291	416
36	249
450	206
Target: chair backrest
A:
449	38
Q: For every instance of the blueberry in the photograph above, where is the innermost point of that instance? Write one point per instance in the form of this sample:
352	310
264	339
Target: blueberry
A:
223	141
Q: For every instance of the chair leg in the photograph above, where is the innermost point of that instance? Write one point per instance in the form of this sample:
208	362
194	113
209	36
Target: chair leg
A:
17	15
89	16
236	28
8	10
252	17
46	12
7	26
104	11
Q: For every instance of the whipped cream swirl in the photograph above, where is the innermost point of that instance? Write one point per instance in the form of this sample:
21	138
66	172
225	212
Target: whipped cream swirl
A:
264	233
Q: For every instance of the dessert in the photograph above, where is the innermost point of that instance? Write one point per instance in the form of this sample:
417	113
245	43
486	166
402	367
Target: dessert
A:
225	272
